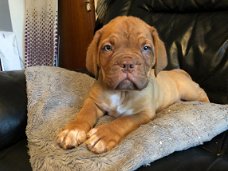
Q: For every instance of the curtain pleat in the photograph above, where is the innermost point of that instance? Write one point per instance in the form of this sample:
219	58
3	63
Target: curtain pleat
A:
41	32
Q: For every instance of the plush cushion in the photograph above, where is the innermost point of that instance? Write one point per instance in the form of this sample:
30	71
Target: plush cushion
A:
13	101
55	95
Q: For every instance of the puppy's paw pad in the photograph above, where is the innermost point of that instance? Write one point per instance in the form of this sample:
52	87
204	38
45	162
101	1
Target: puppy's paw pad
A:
101	146
68	139
102	139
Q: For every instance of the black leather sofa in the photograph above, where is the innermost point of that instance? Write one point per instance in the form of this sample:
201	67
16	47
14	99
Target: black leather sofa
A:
195	33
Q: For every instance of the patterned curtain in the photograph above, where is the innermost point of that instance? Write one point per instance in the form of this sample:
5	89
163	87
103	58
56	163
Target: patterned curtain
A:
41	34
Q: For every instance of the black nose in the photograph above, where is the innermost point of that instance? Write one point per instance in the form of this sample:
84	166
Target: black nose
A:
127	66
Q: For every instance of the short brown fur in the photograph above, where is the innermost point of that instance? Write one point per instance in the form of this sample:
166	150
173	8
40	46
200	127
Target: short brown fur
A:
127	57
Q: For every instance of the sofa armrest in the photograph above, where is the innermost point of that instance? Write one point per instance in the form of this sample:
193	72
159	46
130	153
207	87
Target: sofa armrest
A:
13	107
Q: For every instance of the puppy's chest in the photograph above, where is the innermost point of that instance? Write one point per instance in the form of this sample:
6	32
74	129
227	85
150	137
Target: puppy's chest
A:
116	105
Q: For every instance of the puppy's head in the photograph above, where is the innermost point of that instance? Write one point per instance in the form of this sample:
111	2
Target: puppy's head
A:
123	52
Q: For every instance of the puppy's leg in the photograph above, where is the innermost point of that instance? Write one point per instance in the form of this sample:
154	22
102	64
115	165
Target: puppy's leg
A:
190	90
75	131
104	137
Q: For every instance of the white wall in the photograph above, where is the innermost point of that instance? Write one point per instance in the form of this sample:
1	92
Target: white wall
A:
17	14
5	22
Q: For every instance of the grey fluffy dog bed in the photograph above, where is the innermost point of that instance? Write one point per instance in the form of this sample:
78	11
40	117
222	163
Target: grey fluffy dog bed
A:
56	94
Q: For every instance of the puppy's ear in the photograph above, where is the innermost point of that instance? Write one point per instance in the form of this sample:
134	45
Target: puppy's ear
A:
92	58
159	52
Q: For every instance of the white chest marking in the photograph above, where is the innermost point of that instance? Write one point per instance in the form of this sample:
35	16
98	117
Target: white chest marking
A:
119	107
115	100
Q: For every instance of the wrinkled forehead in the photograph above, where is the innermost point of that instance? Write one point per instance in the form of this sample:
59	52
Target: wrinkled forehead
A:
126	29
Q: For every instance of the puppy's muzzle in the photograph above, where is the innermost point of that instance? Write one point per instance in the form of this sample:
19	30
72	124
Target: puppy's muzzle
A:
129	76
127	66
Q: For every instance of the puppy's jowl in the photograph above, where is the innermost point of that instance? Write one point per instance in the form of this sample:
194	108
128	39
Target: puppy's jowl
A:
126	56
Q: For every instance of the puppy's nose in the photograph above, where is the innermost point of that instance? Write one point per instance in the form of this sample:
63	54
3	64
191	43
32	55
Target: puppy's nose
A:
127	66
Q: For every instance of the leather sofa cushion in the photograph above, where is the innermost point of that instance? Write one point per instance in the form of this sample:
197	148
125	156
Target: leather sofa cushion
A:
195	35
15	157
13	107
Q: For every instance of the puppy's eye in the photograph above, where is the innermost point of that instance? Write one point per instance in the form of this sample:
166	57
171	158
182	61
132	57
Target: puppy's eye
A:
147	48
107	47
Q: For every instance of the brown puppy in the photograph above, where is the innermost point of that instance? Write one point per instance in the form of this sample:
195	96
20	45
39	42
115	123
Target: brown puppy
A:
121	56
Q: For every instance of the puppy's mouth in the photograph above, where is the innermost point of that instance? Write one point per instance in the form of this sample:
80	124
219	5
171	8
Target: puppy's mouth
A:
122	78
130	82
126	84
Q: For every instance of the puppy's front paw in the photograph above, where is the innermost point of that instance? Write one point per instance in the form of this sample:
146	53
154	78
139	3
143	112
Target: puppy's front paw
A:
71	137
102	139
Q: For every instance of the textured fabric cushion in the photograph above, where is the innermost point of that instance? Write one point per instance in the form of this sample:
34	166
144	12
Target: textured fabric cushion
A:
13	101
55	94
